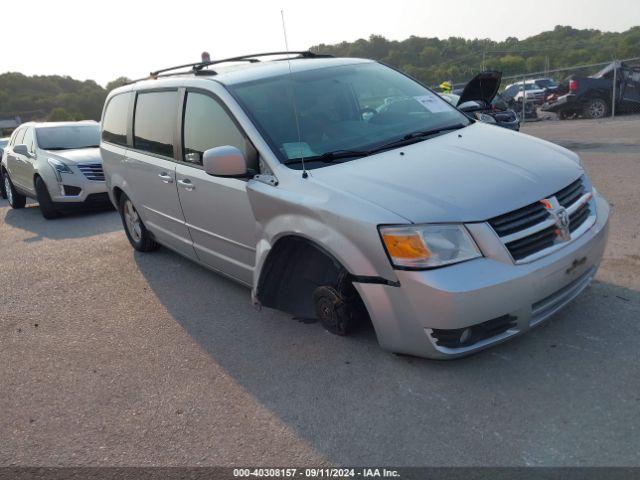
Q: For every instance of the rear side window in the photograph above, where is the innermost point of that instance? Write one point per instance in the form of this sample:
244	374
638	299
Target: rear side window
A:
155	122
114	124
208	125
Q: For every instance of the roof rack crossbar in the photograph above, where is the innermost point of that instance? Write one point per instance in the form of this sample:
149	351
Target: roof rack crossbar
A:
197	66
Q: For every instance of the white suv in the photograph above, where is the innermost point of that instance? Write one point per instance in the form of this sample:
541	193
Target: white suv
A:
56	163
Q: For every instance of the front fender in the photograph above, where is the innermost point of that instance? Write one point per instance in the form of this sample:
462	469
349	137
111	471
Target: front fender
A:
348	233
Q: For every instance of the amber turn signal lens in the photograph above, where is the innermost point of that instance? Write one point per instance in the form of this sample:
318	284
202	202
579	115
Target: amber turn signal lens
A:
408	246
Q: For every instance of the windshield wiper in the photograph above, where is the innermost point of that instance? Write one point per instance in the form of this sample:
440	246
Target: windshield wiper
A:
331	156
415	137
433	131
408	139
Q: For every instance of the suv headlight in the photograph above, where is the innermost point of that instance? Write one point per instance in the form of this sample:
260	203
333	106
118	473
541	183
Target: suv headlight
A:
59	167
428	246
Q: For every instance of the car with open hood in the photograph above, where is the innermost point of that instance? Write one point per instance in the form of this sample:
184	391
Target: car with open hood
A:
56	163
479	98
340	189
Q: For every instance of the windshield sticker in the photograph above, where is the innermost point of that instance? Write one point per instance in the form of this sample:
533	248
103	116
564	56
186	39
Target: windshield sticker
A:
298	150
432	103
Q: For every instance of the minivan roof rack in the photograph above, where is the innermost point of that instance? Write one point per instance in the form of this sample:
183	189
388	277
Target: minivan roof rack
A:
199	66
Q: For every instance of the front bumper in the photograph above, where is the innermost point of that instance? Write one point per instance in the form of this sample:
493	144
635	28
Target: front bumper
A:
480	290
74	188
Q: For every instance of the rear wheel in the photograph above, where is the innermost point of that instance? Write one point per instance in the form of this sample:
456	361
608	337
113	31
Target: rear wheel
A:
47	207
137	233
16	200
2	192
596	108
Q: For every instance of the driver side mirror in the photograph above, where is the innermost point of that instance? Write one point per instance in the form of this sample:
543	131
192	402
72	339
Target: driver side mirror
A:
21	150
225	161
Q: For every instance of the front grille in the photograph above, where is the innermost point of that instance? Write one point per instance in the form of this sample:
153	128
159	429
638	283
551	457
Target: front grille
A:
532	229
568	195
579	217
526	246
93	171
466	337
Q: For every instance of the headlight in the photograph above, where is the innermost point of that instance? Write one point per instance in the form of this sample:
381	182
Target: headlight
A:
59	167
428	246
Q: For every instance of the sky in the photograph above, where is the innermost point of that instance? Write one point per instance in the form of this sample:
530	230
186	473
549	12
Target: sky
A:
107	39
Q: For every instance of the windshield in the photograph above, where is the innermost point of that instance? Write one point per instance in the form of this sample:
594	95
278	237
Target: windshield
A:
68	137
346	108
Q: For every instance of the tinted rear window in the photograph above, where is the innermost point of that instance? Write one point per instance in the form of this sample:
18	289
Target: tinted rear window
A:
114	124
155	122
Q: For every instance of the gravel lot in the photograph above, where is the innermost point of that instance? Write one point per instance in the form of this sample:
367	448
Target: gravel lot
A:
109	357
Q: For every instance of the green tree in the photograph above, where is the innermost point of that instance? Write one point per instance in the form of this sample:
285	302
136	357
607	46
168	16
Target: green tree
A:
59	114
118	82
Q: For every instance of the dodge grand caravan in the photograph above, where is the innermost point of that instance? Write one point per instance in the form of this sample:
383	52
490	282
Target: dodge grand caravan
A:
287	176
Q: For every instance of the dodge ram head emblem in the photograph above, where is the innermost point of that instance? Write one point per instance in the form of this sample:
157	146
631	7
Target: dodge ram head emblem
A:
560	216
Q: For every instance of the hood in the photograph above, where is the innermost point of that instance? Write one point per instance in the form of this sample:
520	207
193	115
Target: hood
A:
81	155
484	172
483	87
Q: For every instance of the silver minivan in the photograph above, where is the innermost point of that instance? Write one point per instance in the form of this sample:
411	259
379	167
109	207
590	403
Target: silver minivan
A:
342	190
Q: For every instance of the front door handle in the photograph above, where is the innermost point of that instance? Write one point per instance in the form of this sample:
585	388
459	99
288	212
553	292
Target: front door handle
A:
186	184
165	177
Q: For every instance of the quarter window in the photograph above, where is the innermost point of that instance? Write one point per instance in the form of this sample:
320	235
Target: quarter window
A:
155	122
208	125
114	124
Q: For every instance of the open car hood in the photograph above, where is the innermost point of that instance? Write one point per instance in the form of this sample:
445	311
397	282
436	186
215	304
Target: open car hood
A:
483	87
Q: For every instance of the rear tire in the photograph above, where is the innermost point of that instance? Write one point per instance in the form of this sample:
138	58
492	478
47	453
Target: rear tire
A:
16	200
3	194
47	208
596	108
137	233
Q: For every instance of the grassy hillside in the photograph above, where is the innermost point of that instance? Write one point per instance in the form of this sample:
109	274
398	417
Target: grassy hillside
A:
433	60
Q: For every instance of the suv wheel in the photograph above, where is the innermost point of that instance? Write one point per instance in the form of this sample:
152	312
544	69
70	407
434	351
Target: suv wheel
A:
3	194
47	207
137	233
596	108
16	200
